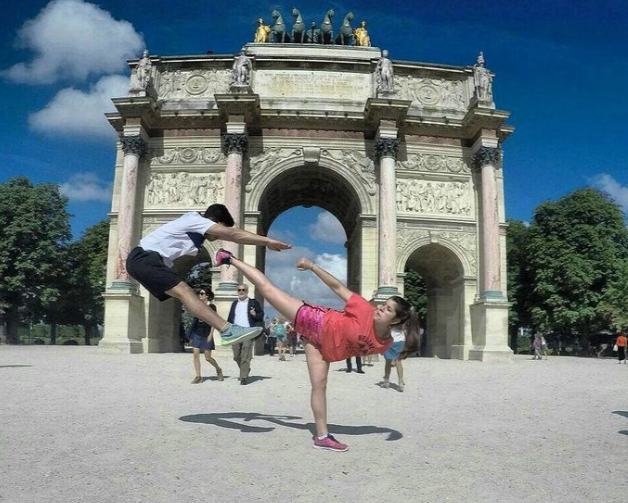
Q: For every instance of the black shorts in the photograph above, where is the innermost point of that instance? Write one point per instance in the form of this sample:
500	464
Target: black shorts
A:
148	268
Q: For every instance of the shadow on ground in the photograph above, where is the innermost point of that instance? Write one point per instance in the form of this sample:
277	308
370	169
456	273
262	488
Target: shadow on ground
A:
231	420
13	366
622	413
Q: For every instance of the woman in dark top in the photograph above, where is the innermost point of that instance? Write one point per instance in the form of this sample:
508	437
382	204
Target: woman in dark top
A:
202	338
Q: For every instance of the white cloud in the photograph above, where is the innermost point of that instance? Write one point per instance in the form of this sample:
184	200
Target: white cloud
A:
73	39
86	187
328	229
616	190
282	271
76	113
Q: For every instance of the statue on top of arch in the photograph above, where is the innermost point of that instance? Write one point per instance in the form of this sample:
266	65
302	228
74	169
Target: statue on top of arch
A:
323	34
483	82
142	76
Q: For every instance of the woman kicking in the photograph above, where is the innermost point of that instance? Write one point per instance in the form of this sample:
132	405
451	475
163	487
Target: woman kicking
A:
331	335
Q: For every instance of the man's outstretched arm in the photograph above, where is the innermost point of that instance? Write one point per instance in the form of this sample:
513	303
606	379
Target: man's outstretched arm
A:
329	279
241	236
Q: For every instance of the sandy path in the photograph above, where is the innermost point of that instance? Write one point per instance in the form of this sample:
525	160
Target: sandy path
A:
80	425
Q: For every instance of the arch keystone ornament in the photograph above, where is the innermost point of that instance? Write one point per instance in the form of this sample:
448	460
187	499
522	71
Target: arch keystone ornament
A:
403	154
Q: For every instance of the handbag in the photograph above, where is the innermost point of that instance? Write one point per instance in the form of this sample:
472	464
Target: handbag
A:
615	348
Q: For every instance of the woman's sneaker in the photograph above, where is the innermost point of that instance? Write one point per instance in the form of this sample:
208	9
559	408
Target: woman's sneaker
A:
235	333
223	257
330	443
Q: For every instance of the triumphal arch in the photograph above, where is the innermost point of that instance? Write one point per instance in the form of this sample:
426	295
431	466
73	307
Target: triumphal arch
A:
406	155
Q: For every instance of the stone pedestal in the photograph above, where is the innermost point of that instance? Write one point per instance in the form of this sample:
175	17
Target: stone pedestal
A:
489	327
124	319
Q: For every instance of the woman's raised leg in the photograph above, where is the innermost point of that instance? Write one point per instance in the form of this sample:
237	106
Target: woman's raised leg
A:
286	304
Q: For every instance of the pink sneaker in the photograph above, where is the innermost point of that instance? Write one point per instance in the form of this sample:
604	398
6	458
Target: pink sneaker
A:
223	257
330	443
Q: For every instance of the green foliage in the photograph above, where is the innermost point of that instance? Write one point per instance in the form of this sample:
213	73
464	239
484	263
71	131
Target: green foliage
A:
34	232
415	292
520	283
615	302
200	276
575	251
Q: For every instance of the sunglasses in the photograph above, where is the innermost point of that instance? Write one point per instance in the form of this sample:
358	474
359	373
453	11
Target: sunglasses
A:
241	289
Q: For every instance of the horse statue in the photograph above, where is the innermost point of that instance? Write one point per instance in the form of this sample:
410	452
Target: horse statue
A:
346	37
279	28
298	27
326	29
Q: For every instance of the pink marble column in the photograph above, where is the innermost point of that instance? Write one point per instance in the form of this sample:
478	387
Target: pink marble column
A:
235	144
133	147
486	160
387	150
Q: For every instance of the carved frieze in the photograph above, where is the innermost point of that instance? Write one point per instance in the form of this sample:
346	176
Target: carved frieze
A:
356	161
444	198
264	161
195	84
435	163
183	189
432	93
187	155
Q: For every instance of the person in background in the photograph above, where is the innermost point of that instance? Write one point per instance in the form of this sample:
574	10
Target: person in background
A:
201	335
621	347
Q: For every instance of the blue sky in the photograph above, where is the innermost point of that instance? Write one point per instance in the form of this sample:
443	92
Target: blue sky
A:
561	69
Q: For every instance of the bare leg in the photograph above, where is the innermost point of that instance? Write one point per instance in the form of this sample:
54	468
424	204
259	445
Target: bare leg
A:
211	361
399	367
387	369
280	300
196	355
318	369
196	307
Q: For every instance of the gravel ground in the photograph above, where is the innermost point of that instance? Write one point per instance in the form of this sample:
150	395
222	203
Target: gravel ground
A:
82	425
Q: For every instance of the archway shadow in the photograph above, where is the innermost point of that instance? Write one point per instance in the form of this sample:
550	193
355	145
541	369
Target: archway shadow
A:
622	413
229	420
13	366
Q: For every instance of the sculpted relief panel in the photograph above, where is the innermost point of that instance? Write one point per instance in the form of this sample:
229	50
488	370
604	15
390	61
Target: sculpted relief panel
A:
183	189
422	196
432	93
187	155
194	84
312	84
434	163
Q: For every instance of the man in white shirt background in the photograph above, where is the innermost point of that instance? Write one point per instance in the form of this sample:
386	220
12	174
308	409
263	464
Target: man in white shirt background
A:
245	312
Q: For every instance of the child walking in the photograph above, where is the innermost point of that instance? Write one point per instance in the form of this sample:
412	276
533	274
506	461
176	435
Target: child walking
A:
393	356
202	339
150	263
331	335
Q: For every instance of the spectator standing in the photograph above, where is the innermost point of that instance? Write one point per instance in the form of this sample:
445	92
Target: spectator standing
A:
245	312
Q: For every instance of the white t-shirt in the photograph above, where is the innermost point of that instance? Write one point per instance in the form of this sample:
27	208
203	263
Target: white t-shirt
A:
183	236
241	316
397	334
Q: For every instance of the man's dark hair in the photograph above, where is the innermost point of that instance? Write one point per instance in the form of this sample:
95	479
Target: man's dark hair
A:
220	214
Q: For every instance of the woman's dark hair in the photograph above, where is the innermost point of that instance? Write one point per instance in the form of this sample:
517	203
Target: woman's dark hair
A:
208	292
220	214
409	323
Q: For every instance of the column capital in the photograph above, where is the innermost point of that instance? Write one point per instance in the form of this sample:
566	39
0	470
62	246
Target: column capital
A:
485	156
236	143
134	144
387	147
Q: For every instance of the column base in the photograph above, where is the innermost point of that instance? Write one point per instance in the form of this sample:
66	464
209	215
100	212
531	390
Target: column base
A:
489	329
124	319
493	296
383	293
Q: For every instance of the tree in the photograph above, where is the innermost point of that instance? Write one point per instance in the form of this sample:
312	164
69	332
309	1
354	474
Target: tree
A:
83	303
520	282
576	249
415	292
34	231
615	299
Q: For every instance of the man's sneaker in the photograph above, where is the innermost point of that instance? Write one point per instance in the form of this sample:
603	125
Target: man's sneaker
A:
235	333
330	443
223	257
